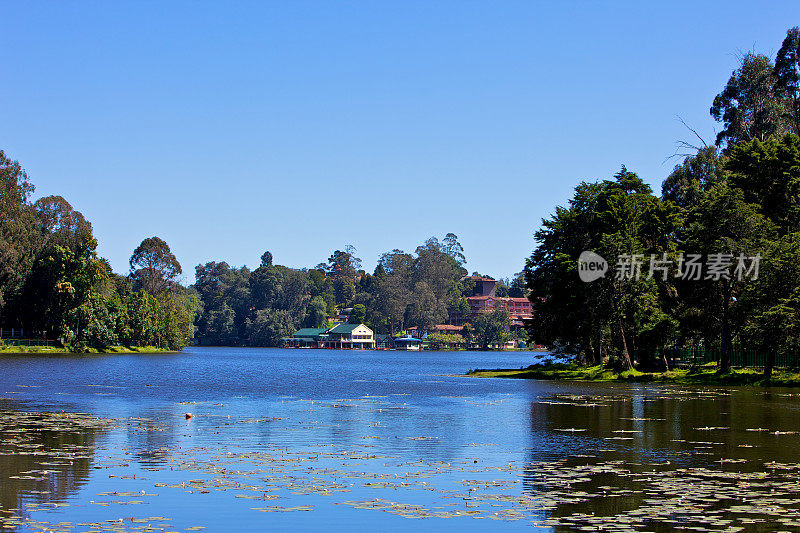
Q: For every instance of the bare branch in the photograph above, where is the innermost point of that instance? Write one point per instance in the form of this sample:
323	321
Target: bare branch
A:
705	144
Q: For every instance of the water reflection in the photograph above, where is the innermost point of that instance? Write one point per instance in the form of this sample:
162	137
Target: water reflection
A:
374	438
44	458
152	433
663	458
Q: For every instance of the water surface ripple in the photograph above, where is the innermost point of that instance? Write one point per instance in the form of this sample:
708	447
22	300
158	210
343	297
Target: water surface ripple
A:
342	440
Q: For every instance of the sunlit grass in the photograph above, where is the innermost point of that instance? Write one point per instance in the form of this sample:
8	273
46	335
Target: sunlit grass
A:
44	350
703	375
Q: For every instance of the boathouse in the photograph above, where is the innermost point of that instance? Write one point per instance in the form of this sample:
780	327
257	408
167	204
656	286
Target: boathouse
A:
407	343
350	336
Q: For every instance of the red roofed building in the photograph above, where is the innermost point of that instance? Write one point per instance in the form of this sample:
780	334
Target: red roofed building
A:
484	300
441	328
484	286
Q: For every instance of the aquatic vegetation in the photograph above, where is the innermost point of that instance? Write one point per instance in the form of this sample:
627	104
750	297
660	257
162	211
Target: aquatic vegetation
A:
703	375
617	457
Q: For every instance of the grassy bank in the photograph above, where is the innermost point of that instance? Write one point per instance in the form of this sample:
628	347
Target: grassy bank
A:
705	375
47	350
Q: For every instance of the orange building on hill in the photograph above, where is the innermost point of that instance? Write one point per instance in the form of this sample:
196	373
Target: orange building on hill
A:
484	300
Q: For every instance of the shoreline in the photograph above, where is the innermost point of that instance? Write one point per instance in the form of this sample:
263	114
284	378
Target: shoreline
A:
49	350
704	375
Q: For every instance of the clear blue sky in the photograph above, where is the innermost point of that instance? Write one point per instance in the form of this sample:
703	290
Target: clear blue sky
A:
297	127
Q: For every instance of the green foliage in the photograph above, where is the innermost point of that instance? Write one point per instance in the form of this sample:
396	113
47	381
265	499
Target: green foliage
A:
749	106
768	174
426	308
770	306
438	340
406	289
153	266
19	239
614	217
317	312
358	315
491	329
688	182
53	284
787	72
745	200
269	326
95	325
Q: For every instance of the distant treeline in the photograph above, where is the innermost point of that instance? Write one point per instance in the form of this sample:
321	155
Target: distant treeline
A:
258	307
53	284
738	197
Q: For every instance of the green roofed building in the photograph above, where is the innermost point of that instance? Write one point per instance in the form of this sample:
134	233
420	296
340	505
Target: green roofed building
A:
350	336
341	336
306	338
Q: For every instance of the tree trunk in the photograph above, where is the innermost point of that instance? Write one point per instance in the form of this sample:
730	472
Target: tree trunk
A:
588	351
599	360
769	363
725	348
626	356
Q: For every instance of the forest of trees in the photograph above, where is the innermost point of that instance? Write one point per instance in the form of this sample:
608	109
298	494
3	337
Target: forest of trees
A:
739	195
258	307
54	285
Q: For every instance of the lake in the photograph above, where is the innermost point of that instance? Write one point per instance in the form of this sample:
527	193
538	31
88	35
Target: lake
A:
298	440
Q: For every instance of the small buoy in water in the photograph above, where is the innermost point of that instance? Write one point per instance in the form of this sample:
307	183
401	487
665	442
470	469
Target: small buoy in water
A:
188	416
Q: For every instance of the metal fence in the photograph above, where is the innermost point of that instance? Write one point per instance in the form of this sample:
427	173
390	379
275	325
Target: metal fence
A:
29	342
697	356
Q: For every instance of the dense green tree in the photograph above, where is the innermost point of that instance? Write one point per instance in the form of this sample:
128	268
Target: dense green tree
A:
95	325
227	304
435	267
317	312
688	182
769	306
616	218
768	174
393	293
269	326
52	282
295	292
491	329
749	106
175	318
142	321
218	326
19	238
343	263
516	288
344	289
501	289
453	248
787	73
426	309
154	266
265	286
438	340
65	271
358	315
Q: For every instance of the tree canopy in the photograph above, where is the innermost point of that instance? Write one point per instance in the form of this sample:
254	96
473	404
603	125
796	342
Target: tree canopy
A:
724	204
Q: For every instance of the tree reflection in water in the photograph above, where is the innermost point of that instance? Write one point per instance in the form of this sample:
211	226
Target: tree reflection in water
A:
662	458
44	457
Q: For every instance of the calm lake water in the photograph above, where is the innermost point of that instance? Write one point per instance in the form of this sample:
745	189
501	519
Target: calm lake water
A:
298	440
